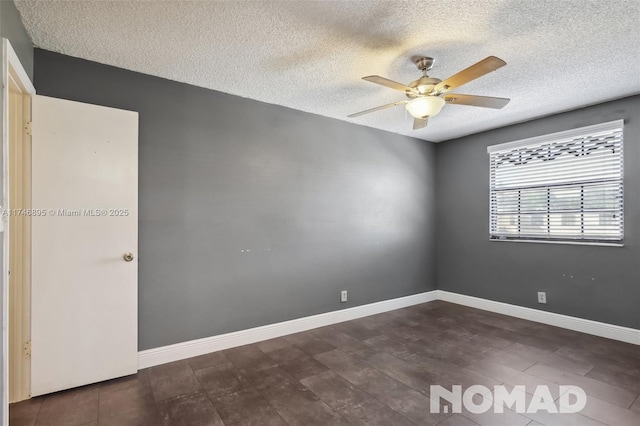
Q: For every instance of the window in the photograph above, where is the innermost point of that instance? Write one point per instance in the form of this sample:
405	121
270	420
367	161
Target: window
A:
565	187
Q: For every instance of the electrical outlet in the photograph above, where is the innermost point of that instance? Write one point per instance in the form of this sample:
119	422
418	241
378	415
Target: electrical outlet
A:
343	296
542	297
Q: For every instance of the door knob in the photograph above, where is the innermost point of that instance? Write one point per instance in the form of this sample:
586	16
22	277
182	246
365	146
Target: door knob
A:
128	257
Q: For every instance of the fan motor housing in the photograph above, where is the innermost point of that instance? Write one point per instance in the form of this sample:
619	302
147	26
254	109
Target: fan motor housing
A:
424	85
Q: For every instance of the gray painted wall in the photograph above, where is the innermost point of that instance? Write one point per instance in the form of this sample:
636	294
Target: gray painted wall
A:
11	28
253	213
598	283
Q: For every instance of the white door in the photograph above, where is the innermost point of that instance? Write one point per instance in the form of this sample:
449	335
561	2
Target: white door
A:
84	324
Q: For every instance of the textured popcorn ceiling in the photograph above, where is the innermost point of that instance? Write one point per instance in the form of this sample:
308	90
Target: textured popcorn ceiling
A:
560	54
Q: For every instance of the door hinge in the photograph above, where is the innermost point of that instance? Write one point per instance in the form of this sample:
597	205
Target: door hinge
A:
27	348
27	128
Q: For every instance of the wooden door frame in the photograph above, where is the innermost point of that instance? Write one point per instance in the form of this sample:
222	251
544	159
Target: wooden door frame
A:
14	75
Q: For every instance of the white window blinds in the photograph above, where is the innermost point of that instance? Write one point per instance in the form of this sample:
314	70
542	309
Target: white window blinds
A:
562	187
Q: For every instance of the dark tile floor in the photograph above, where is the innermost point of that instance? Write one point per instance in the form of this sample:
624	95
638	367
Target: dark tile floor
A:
371	371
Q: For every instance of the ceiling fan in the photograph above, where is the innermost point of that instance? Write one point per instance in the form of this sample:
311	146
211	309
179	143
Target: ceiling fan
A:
428	95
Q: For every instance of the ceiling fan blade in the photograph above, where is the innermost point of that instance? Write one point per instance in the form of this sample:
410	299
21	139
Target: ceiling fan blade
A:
419	123
473	100
477	70
388	83
376	109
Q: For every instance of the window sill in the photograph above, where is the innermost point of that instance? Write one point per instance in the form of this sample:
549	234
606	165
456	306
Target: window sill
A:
571	243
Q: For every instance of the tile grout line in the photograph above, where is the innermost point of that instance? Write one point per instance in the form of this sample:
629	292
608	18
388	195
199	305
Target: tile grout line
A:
301	384
345	379
203	389
254	388
367	393
421	368
35	421
153	393
588	371
588	378
634	401
98	408
573	359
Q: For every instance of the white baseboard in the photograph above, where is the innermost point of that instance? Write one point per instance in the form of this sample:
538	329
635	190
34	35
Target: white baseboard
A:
178	351
610	331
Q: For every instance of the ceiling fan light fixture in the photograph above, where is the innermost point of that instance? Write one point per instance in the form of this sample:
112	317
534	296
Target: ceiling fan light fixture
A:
426	106
427	95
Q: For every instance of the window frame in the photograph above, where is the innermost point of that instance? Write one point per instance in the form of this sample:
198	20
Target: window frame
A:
551	138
